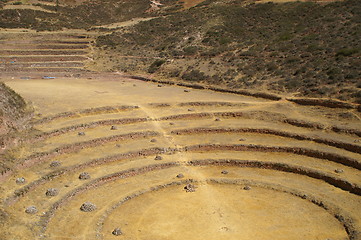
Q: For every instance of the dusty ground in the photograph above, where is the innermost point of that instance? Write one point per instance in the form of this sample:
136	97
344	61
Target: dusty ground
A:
145	198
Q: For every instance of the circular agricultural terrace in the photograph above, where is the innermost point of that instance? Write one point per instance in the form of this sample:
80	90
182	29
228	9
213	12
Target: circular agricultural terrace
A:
119	158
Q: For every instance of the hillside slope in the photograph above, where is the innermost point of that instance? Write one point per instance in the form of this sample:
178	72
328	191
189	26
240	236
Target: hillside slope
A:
79	16
300	48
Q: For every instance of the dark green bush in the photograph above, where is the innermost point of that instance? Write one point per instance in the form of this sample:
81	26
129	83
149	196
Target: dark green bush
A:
191	50
347	52
156	65
194	76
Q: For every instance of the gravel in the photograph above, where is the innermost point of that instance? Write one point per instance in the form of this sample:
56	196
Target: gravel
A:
20	180
88	207
117	232
180	175
84	176
51	192
190	188
31	210
55	164
158	158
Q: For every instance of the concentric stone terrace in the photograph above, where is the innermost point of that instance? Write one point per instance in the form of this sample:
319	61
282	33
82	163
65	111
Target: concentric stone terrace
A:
145	167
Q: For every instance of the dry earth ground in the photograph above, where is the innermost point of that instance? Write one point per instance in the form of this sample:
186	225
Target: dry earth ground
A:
303	183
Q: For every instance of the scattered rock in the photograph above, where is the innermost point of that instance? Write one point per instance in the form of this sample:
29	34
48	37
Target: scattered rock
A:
356	141
217	119
51	192
117	232
134	85
247	188
81	133
304	196
55	164
118	145
242	139
88	207
180	175
20	180
84	176
158	157
113	128
171	123
190	110
338	171
190	188
160	85
224	172
31	210
153	140
186	90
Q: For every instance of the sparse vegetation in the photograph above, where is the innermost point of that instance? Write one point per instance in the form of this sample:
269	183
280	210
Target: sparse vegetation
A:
298	47
84	15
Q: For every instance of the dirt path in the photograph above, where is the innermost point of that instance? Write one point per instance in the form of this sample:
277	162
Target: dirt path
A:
31	7
131	22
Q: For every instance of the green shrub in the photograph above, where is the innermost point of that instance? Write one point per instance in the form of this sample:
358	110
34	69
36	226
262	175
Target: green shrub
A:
194	76
156	65
191	50
285	36
347	52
